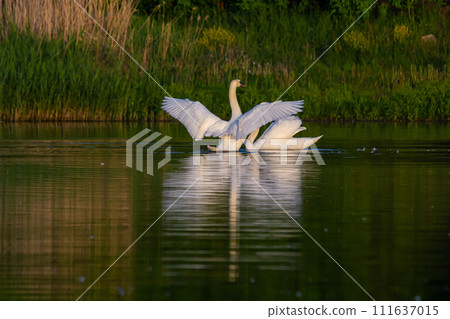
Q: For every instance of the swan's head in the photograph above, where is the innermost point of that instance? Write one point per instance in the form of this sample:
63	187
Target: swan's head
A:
236	83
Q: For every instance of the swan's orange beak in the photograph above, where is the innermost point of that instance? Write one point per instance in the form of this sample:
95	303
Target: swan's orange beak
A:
241	85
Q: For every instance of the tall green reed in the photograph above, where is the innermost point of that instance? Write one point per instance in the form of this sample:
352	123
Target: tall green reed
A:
79	74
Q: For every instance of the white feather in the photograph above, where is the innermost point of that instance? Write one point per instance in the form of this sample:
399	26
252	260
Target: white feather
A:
200	122
279	133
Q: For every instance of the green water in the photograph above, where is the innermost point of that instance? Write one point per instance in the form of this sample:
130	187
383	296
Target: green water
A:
69	206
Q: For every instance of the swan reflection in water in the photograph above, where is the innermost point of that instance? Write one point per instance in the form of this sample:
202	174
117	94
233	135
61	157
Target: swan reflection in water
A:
229	210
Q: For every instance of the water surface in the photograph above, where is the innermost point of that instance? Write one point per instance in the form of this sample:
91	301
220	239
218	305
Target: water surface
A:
69	206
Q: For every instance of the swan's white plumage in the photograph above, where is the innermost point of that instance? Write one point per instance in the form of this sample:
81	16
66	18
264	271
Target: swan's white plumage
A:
278	133
260	115
194	115
200	122
284	128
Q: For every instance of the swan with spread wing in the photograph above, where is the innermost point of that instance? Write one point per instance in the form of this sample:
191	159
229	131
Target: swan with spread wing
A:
200	122
280	133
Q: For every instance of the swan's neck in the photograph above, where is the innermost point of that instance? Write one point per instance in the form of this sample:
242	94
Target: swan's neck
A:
235	109
252	136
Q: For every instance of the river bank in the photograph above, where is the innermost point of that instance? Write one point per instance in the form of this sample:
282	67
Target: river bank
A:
382	69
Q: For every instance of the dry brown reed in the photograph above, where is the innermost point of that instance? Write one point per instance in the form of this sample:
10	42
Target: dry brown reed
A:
50	19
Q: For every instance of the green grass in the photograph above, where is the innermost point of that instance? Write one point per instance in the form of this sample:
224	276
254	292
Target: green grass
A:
380	79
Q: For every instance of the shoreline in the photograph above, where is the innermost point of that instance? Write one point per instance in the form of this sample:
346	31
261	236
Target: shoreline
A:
381	70
324	121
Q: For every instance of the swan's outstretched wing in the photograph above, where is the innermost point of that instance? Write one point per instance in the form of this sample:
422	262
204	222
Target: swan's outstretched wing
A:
194	115
284	128
262	114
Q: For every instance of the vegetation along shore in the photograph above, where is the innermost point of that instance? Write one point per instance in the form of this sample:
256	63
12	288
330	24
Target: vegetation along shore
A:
57	65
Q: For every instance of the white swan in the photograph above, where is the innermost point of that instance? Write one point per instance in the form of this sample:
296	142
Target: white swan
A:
200	122
280	133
